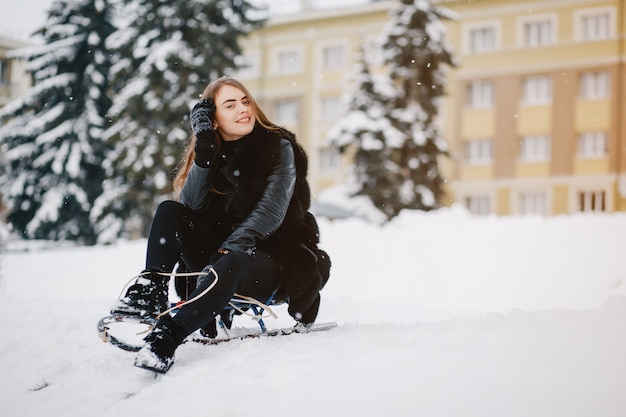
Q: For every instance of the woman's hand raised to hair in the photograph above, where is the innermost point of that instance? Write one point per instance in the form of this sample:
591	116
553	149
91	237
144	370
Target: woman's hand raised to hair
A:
201	117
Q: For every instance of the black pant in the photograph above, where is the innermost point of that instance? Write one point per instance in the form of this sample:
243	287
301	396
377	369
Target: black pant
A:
177	235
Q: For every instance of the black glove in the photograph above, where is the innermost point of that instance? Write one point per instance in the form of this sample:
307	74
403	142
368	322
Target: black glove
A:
201	118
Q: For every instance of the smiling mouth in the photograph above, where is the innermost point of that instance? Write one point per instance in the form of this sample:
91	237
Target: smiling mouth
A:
244	120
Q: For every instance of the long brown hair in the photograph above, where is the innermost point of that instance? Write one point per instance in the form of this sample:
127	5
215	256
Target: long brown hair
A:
211	91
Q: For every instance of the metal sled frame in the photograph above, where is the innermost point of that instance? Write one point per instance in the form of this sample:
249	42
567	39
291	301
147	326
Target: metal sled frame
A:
236	305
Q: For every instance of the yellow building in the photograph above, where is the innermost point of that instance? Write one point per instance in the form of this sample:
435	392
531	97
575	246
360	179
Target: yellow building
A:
299	65
536	108
534	114
14	81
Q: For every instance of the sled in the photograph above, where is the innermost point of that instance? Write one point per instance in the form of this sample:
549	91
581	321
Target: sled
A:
127	331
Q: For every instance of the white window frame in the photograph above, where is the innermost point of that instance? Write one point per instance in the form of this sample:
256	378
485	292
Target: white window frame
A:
331	108
479	152
480	94
478	204
333	56
592	145
329	159
582	25
591	201
287	60
287	111
595	85
537	90
248	65
475	39
373	50
4	72
537	31
532	203
534	148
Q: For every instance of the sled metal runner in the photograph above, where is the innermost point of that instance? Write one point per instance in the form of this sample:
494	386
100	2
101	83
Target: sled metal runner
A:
127	331
131	340
299	328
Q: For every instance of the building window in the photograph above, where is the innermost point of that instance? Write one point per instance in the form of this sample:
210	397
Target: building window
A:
480	94
478	152
478	204
330	159
4	71
289	62
330	108
538	32
286	112
373	49
595	27
537	90
533	204
594	24
534	149
595	85
248	66
482	40
590	201
592	145
333	57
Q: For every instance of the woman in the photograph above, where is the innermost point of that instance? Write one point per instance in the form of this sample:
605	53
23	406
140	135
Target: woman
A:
241	218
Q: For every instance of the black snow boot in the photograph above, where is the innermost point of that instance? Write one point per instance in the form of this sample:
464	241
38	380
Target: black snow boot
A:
147	297
158	353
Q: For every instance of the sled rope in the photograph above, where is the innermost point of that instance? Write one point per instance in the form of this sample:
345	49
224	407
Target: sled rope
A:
240	298
254	301
197	297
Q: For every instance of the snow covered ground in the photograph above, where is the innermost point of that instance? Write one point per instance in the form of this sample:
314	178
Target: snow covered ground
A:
440	314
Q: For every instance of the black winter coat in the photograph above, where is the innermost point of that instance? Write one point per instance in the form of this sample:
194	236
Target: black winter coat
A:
250	210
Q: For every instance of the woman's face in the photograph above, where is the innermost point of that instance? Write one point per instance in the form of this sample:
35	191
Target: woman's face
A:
234	117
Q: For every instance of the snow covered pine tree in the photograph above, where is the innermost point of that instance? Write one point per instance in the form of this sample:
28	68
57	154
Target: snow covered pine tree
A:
398	143
52	151
164	52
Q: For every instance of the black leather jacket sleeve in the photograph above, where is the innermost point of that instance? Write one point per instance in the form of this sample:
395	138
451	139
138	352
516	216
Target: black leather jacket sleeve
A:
271	208
197	187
